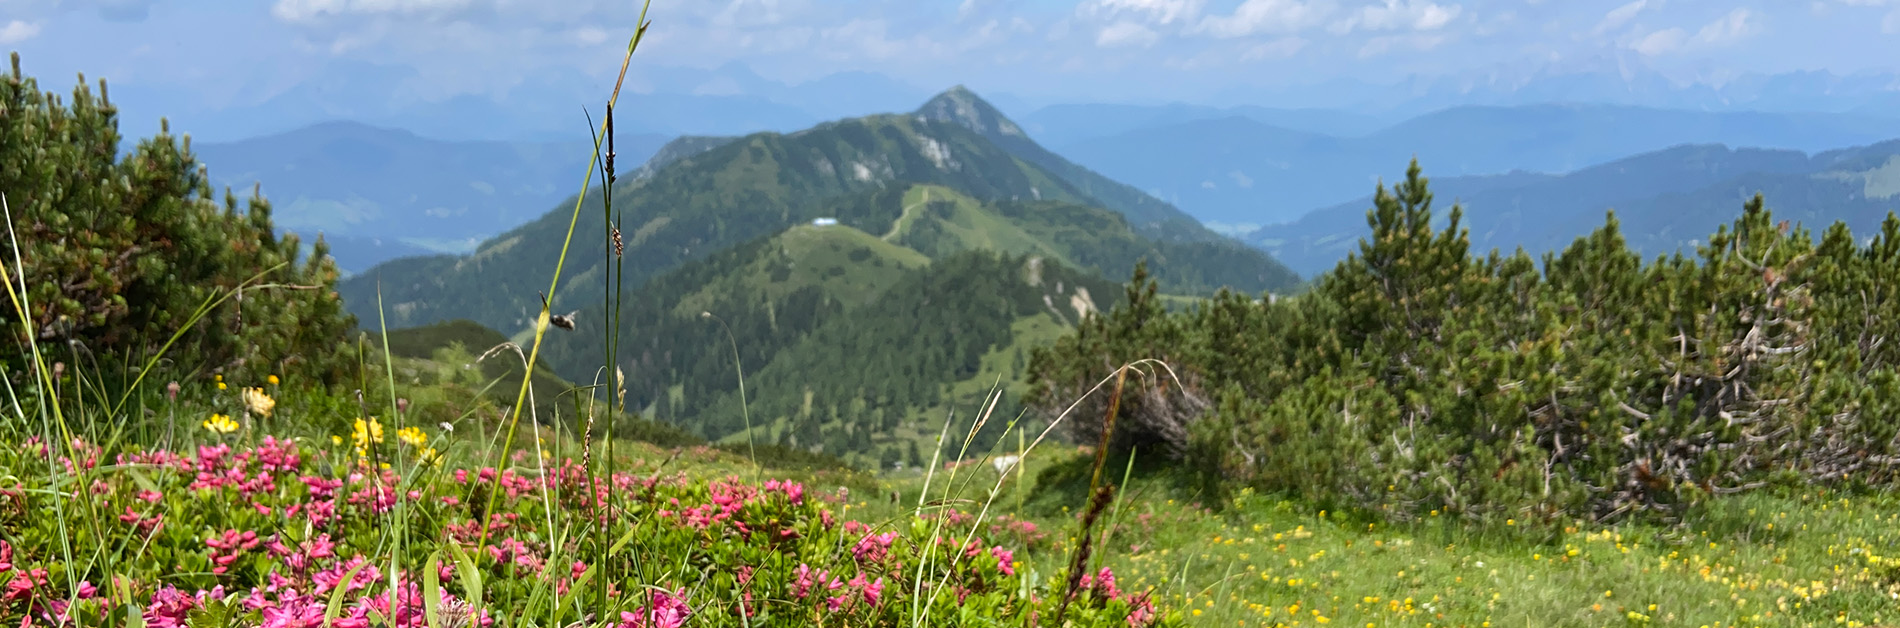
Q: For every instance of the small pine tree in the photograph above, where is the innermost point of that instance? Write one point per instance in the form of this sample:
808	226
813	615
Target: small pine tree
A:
119	253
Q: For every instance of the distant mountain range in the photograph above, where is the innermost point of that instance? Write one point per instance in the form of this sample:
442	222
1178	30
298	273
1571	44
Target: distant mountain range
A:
1240	171
1665	201
1065	125
377	194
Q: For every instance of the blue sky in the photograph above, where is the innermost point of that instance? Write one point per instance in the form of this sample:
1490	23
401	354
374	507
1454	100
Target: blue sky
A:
200	58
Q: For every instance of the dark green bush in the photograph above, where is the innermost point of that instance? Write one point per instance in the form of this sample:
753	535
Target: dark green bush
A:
1417	376
118	253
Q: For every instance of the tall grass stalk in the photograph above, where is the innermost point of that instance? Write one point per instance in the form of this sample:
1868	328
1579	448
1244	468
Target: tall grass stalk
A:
44	390
395	414
1024	456
554	282
1098	498
744	410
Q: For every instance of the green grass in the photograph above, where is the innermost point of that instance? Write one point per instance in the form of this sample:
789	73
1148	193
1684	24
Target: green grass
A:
1757	561
1810	559
966	225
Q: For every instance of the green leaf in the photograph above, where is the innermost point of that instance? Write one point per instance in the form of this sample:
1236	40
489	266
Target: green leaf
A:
470	576
432	590
335	608
144	483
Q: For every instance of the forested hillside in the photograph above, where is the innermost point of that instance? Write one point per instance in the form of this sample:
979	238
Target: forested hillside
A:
872	334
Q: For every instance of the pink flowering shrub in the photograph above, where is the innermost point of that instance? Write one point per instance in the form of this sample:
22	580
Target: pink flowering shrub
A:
267	534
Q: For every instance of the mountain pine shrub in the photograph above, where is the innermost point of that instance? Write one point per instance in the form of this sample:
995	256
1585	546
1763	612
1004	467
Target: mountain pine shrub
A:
118	253
1418	377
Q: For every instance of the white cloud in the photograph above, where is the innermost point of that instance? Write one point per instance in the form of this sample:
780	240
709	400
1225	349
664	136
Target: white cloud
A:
967	8
1619	16
1158	12
1395	15
18	31
1731	28
1126	33
312	10
1387	43
1660	42
751	13
1266	16
590	35
1891	25
867	37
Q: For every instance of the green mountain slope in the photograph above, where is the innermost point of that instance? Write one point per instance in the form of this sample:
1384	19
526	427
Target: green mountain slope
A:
707	202
849	265
852	170
769	292
939	222
679	148
775	292
875	379
1151	216
1665	200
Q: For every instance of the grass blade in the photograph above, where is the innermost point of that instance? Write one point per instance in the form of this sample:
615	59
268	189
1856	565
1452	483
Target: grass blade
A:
335	608
432	590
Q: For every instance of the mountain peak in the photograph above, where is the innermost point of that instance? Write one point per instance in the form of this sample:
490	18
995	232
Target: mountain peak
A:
961	106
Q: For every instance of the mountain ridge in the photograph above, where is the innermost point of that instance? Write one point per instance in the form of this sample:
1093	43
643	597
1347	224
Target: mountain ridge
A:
734	192
1239	170
1665	200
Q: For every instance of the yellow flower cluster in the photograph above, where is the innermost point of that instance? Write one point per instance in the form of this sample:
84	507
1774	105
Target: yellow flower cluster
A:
220	424
413	436
364	434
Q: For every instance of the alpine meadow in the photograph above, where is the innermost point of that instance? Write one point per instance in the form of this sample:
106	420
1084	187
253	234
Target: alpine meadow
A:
1167	328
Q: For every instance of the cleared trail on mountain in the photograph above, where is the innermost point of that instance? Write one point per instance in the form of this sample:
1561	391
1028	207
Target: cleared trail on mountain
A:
898	225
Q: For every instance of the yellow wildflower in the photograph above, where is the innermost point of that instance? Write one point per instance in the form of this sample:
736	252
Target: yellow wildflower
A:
273	380
412	435
257	402
362	435
221	424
